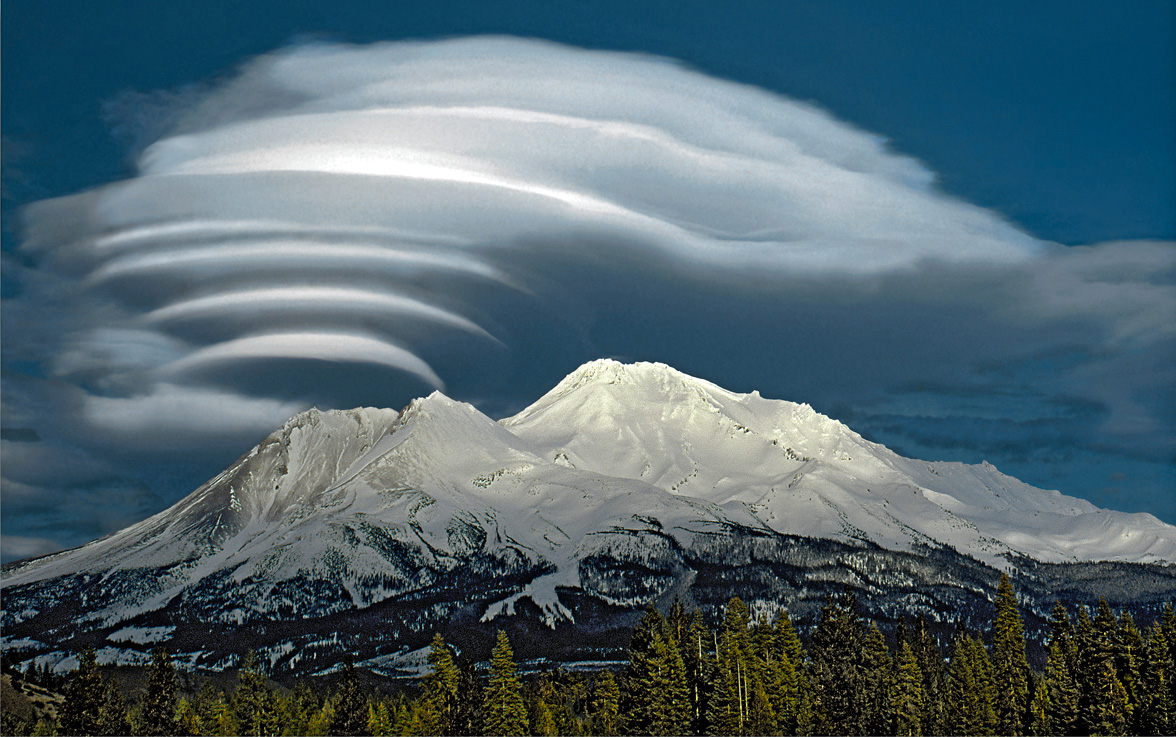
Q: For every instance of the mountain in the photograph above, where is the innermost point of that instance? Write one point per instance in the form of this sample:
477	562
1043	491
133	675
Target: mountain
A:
366	530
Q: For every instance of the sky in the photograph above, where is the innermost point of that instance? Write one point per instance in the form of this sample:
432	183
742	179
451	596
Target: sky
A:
949	226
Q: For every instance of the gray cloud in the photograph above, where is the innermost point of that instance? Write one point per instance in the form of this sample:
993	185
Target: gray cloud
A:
349	225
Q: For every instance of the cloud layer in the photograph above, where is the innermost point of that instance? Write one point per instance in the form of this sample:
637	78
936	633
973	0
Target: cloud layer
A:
342	225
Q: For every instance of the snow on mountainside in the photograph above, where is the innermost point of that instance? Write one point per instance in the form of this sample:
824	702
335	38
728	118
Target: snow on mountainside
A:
802	473
608	485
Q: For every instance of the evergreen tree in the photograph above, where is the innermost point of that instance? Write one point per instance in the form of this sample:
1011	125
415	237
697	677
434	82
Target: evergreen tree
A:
793	713
467	718
606	705
874	680
254	706
970	709
380	722
1010	668
1128	648
214	712
930	659
1105	698
503	709
32	674
350	703
439	700
159	703
1157	712
730	700
907	700
637	694
699	661
113	718
1061	704
85	693
1039	710
669	707
836	657
187	722
539	710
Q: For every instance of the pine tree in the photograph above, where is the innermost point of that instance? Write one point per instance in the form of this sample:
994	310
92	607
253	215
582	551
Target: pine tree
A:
380	722
930	659
350	703
606	705
637	694
795	716
1128	648
1157	712
84	696
874	678
731	698
1061	704
32	674
113	718
1039	710
187	722
1009	665
439	699
970	709
467	717
503	709
907	700
1102	701
699	661
159	703
254	707
837	656
669	708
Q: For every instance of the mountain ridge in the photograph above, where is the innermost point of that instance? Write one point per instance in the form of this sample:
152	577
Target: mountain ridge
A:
614	487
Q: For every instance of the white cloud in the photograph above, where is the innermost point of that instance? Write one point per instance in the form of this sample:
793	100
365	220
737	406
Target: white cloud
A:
419	207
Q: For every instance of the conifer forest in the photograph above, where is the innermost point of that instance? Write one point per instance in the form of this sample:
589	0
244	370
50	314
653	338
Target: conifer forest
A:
1103	675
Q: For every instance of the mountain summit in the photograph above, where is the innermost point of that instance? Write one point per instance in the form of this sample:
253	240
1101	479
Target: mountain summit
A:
624	484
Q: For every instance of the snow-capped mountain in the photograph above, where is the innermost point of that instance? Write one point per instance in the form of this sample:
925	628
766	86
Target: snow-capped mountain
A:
622	485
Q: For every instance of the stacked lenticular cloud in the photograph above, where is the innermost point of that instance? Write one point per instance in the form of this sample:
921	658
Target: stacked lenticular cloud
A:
352	204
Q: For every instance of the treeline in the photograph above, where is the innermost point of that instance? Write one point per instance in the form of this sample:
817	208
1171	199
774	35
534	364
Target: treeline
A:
742	677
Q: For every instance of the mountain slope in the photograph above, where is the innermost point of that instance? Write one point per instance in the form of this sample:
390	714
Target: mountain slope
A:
623	484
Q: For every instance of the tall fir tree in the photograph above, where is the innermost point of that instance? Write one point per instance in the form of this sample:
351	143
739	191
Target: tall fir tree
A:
439	697
254	705
350	703
874	679
637	692
85	693
1128	648
1038	721
930	658
159	703
113	719
606	703
907	695
1157	712
1103	707
731	697
1010	667
699	661
669	708
503	709
970	694
836	659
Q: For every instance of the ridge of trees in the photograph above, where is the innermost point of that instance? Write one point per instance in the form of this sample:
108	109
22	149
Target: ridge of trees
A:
747	676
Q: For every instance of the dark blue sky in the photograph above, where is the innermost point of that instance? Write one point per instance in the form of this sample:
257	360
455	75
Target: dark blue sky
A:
1057	117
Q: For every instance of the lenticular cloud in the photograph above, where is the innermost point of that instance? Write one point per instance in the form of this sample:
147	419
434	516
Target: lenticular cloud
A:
382	207
342	225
